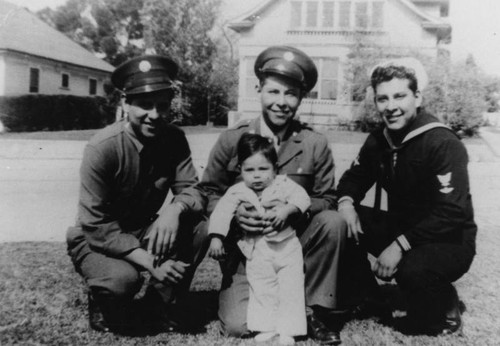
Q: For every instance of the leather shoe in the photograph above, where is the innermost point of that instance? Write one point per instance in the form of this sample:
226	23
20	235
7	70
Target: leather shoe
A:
453	319
451	324
96	319
167	325
370	308
318	331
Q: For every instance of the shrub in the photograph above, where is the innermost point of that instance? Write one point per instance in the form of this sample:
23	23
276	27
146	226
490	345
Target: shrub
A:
54	113
456	94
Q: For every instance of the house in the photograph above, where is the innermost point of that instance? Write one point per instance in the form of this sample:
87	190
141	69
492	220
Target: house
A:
327	30
37	59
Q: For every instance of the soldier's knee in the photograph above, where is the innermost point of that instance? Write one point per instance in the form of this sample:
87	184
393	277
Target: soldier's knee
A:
123	283
234	328
232	316
331	224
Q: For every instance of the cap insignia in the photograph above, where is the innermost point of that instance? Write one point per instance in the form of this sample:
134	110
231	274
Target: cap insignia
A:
288	56
144	66
281	67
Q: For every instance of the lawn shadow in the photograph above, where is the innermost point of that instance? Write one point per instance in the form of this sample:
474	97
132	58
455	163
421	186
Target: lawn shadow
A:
196	310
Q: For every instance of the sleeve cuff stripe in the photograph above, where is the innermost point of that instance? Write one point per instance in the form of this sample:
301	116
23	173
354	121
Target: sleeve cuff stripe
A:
404	243
346	198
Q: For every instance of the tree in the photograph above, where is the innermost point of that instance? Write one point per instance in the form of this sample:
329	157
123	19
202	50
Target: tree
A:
180	29
456	93
110	28
120	29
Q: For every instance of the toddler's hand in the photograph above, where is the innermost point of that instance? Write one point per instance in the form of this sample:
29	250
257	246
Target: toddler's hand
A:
216	250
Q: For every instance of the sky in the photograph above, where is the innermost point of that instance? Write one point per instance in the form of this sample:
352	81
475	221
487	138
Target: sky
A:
476	26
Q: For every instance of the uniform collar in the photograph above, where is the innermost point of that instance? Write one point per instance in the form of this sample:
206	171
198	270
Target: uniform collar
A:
266	132
293	132
422	123
291	145
133	137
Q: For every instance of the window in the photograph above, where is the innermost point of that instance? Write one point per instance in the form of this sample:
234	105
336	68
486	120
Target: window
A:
444	10
328	14
296	15
65	81
327	86
251	81
34	80
92	86
378	15
329	79
314	93
361	15
312	14
345	14
336	14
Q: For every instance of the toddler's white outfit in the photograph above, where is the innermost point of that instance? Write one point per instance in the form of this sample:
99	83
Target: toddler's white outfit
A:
274	264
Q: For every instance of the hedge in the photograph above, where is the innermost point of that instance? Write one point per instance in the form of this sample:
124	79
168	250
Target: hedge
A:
54	113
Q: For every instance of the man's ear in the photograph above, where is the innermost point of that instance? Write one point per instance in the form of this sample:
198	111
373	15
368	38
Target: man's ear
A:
418	97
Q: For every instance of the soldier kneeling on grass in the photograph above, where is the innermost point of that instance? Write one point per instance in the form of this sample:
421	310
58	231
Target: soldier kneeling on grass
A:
426	238
127	170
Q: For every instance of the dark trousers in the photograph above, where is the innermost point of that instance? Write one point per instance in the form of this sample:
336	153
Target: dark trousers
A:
322	239
122	279
425	273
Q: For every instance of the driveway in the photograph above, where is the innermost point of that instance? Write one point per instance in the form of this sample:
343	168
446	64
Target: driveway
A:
39	183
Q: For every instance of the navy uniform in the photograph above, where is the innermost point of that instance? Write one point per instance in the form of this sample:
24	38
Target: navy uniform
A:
124	182
429	213
305	157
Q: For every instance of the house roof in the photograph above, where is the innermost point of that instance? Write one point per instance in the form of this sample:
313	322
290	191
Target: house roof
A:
22	31
247	20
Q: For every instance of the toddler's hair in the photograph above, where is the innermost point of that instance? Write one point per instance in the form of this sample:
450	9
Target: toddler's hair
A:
251	144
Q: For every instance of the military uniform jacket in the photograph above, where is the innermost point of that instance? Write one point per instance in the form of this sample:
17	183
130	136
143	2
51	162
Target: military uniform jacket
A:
426	181
304	156
124	183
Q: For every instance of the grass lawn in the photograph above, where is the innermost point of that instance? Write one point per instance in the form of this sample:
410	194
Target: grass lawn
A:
42	302
42	299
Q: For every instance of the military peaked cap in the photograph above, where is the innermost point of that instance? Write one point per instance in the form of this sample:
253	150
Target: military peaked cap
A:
145	74
289	62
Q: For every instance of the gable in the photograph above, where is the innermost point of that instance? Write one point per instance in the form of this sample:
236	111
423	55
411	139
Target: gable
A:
336	15
21	31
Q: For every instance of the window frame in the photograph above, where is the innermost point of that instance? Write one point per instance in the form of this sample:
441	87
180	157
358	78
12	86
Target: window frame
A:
318	91
300	16
65	74
94	87
34	78
250	77
359	18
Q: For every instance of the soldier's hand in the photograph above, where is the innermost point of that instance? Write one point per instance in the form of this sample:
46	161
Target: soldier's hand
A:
170	271
249	219
163	233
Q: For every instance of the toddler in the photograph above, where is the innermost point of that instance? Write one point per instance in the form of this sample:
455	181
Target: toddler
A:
274	264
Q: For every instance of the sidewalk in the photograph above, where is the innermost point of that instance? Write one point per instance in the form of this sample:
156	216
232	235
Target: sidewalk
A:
39	181
491	136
